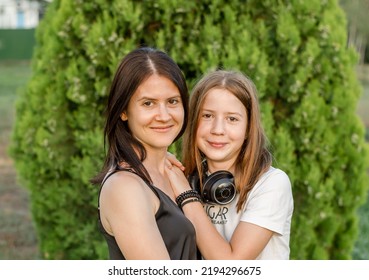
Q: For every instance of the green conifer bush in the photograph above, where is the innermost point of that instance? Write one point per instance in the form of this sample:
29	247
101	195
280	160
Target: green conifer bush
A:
295	51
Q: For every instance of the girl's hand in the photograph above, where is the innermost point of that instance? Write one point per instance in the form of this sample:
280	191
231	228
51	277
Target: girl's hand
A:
177	179
173	161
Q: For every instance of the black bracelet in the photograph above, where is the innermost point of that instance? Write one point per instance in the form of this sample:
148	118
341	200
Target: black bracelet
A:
189	201
187	194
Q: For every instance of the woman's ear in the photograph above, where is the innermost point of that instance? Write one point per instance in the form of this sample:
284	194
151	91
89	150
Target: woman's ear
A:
124	117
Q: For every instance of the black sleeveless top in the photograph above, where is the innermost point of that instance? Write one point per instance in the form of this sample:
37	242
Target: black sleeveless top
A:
176	230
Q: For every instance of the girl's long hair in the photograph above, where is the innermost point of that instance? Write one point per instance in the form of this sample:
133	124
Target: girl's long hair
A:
132	71
254	158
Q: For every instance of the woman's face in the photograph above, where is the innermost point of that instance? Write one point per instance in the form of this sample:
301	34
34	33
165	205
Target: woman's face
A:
222	129
155	113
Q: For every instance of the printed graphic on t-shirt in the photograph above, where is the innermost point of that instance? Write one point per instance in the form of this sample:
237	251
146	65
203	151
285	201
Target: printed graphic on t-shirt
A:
217	214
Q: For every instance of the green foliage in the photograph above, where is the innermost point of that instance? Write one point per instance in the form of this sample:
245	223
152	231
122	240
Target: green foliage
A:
293	50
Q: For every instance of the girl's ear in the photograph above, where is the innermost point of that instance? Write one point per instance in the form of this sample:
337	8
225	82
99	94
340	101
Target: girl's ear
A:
124	117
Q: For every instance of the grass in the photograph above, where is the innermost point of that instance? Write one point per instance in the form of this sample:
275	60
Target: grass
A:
363	106
361	249
17	234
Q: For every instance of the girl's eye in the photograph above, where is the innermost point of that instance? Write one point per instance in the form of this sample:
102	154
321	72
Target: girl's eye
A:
232	119
206	116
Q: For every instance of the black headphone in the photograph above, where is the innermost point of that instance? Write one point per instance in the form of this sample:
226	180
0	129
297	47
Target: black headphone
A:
218	187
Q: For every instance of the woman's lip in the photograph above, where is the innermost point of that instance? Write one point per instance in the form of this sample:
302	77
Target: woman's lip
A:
162	128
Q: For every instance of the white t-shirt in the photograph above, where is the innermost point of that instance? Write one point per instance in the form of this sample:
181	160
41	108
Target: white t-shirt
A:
269	205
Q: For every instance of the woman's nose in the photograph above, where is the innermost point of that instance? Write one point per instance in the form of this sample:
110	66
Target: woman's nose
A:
163	113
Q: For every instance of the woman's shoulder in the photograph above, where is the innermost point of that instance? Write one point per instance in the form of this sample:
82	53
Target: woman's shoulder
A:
124	181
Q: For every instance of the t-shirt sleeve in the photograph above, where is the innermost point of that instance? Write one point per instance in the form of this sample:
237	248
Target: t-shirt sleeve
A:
269	202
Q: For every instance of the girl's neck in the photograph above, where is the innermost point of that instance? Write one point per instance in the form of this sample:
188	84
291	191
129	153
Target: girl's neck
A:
216	166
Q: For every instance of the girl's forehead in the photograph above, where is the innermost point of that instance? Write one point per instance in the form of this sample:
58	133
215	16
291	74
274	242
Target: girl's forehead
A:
221	97
222	101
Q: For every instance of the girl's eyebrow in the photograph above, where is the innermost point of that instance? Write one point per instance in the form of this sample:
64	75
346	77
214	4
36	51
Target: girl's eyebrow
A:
228	113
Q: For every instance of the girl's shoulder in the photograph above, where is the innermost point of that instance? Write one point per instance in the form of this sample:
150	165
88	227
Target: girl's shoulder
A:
275	176
274	172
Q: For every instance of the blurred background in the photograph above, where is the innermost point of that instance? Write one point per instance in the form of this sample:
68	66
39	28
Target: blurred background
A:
18	21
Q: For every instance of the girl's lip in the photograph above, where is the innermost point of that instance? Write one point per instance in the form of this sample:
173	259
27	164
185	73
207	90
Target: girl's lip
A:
217	144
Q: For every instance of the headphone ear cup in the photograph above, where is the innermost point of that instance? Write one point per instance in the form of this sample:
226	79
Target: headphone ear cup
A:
219	188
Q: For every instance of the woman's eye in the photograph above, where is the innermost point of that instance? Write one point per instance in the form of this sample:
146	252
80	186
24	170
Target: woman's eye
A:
206	116
233	119
148	103
173	101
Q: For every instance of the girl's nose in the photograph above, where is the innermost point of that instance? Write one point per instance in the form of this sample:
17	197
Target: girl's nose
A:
217	126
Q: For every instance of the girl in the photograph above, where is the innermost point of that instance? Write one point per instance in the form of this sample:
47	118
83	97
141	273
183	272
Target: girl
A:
225	134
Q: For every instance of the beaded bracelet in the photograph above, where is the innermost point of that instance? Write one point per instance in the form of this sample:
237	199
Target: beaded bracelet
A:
189	201
187	194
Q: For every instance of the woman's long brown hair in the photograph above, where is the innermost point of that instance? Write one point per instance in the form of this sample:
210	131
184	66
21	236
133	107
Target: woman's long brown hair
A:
132	71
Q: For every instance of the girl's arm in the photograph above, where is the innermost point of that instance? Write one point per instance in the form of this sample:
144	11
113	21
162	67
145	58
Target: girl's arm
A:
248	239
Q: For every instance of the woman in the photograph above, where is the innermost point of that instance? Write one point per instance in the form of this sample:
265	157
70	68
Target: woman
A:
225	134
147	110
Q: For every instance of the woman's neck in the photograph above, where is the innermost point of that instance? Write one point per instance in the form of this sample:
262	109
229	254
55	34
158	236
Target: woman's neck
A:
155	165
155	161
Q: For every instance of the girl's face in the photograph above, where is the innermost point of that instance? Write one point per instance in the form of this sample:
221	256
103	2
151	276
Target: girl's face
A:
222	129
155	113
